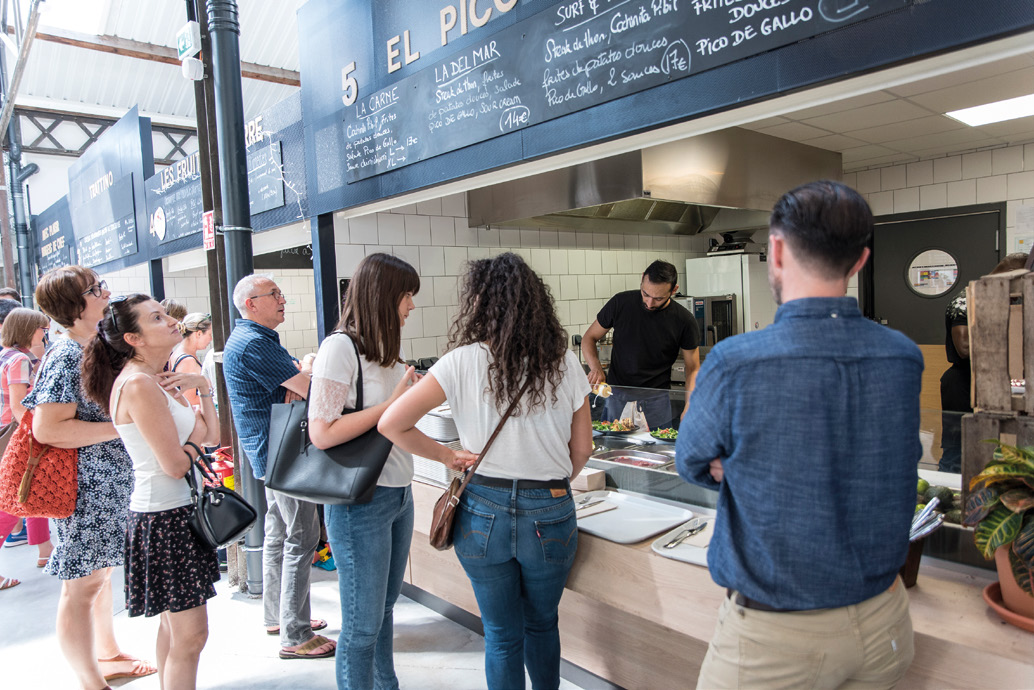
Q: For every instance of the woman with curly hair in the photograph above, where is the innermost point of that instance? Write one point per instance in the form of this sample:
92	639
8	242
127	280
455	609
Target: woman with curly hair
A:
515	531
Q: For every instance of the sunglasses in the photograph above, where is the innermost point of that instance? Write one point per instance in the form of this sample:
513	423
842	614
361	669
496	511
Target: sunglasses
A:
114	315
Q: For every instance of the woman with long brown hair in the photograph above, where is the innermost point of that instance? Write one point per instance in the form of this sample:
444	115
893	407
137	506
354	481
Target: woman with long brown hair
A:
371	540
515	532
169	572
91	540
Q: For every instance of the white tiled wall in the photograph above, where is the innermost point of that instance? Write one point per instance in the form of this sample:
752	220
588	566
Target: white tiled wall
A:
582	270
297	333
996	175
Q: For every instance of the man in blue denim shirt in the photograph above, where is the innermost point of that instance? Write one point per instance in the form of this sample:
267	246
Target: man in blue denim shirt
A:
809	430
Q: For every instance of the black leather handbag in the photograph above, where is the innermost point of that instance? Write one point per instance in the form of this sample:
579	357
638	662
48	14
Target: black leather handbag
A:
345	474
219	516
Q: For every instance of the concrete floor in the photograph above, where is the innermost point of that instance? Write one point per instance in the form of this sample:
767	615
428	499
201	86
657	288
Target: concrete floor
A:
431	651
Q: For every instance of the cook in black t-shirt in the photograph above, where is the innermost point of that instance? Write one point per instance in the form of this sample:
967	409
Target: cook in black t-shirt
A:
649	331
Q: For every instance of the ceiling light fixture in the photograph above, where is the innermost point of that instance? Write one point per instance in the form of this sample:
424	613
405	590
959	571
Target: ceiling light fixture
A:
995	112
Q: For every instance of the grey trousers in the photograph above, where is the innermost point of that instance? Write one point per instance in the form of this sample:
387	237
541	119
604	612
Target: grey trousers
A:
292	533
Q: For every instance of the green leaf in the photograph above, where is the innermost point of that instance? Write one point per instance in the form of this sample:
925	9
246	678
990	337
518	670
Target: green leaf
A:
979	504
1022	572
1018	500
996	474
999	528
1023	546
1016	456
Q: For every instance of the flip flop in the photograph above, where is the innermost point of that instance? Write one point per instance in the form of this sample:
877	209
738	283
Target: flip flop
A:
9	582
141	668
315	623
306	651
42	562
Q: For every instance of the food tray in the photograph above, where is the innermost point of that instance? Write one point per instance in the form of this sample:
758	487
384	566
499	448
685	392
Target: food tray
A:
684	552
636	518
630	457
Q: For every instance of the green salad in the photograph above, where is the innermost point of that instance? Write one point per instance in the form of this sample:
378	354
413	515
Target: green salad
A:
666	434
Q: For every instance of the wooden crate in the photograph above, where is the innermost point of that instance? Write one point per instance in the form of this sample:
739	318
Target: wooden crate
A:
1001	341
1010	428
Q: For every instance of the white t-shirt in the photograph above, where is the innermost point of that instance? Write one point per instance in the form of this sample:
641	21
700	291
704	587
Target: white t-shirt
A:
530	446
333	388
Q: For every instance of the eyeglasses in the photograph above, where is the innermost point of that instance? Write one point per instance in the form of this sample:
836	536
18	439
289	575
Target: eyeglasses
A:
45	329
96	290
276	294
114	316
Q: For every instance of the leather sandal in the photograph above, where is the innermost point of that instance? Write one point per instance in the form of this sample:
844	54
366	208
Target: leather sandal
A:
141	668
308	649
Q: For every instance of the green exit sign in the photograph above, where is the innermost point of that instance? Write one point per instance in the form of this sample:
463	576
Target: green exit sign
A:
188	40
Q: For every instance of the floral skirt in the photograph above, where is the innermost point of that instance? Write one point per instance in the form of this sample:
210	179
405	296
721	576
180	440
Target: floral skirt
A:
167	568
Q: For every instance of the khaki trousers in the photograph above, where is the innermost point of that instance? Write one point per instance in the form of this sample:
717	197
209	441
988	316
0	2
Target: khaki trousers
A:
866	645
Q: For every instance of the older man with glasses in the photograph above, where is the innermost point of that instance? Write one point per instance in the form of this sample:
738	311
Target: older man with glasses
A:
259	372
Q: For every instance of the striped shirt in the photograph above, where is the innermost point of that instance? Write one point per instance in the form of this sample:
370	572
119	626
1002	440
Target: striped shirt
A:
255	365
15	367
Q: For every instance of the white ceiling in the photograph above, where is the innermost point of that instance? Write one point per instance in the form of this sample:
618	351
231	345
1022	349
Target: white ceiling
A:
897	124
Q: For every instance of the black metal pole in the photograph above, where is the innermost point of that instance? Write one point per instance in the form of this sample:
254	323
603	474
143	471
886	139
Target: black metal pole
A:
17	176
224	31
324	266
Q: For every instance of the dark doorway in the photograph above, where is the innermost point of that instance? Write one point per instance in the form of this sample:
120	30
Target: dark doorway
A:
921	261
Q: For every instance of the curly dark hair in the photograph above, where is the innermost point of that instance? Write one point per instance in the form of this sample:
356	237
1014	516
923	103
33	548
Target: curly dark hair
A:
505	305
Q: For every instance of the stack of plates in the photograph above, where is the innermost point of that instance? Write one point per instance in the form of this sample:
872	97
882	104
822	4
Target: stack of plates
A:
439	425
434	471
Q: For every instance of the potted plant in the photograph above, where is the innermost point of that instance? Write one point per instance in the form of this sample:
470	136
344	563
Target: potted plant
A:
1001	508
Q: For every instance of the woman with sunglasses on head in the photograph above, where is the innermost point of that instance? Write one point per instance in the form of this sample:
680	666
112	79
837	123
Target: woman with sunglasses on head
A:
370	540
196	332
169	572
515	529
22	336
91	540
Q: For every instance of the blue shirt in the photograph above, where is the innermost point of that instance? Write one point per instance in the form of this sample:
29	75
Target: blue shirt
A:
255	365
816	420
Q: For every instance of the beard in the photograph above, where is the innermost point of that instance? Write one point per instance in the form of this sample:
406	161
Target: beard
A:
776	286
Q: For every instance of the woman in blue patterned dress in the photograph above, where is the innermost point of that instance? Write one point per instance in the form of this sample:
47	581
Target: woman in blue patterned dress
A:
91	540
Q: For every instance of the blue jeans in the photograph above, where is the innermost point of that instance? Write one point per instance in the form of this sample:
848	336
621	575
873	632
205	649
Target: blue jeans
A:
517	548
370	543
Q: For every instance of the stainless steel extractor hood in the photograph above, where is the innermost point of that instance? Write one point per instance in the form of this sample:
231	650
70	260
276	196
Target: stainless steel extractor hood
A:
719	182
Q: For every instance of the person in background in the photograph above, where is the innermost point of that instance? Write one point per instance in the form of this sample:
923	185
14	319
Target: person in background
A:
11	294
650	330
515	530
174	308
803	428
370	541
91	542
6	307
956	380
169	572
22	338
196	332
259	372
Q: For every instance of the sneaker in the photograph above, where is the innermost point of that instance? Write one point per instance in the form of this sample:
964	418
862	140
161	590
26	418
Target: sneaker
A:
17	538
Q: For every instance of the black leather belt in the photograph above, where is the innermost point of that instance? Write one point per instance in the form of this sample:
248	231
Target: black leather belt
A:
499	483
740	599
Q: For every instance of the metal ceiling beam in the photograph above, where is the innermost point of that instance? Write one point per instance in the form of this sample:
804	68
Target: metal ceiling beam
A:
155	53
25	43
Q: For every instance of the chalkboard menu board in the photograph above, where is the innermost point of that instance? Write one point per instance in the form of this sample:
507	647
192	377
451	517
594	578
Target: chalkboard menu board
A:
265	178
108	225
174	202
573	55
54	238
107	195
293	257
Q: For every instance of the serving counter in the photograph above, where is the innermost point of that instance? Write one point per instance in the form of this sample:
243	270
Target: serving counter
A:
640	620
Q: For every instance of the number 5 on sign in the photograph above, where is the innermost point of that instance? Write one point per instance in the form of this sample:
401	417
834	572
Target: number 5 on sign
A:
348	84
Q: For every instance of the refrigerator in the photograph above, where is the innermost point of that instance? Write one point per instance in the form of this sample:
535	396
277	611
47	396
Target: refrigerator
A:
743	275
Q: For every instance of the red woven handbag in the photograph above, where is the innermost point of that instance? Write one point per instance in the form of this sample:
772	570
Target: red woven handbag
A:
37	480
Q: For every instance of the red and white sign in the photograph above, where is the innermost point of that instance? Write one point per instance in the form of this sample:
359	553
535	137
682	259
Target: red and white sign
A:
208	229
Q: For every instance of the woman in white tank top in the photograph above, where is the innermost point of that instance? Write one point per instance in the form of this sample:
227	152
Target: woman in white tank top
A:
168	571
